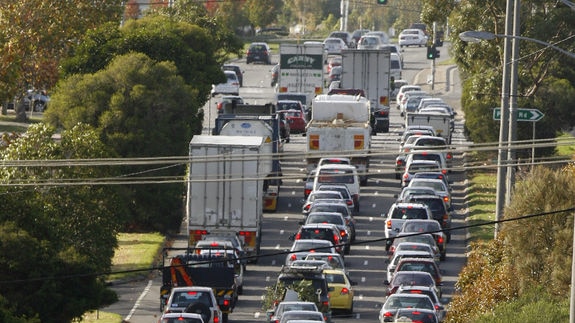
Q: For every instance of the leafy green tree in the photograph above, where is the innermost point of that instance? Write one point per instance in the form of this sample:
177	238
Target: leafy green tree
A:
142	108
540	69
56	233
261	12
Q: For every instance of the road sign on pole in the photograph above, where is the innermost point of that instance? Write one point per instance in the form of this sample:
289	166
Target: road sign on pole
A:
532	115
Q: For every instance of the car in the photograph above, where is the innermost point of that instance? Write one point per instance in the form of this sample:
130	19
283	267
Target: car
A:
403	90
369	42
290	275
319	195
340	174
346	195
323	231
224	254
435	155
394	48
333	205
335	260
410	101
426	238
237	70
230	237
414	166
334	74
334	45
399	213
302	247
429	142
415	130
37	99
195	299
356	34
416	246
227	100
400	254
413	278
181	318
296	120
429	291
305	99
428	226
311	264
336	219
419	315
231	86
345	36
397	84
420	264
290	104
412	37
395	68
436	175
275	315
440	109
429	101
407	192
340	290
333	61
275	73
381	34
395	302
259	52
313	316
438	185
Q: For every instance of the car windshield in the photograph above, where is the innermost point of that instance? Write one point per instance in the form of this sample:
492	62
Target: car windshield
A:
408	213
398	301
435	185
316	233
421	238
412	279
288	106
329	208
302	245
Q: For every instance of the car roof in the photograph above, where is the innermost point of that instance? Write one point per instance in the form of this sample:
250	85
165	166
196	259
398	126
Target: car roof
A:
409	205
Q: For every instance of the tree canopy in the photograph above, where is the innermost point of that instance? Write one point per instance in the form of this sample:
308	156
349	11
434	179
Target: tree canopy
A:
55	235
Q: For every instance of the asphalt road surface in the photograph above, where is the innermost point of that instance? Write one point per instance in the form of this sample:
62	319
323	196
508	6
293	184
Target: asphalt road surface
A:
139	300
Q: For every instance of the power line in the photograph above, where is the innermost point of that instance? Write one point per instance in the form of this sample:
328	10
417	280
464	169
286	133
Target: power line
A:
279	253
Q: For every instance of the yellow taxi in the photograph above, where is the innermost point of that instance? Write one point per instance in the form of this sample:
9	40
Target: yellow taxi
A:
340	290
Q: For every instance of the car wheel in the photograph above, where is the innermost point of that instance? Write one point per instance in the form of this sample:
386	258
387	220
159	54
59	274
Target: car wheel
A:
240	290
349	312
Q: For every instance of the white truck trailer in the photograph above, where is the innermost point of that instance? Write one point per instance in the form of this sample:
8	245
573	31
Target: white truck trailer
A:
225	188
369	70
340	127
441	123
302	68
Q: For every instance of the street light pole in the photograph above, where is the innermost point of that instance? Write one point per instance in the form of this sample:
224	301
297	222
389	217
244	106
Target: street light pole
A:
511	155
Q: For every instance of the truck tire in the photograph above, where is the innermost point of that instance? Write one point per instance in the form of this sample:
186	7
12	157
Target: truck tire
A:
200	308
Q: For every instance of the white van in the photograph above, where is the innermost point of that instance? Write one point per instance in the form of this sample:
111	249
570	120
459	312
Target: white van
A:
339	174
395	66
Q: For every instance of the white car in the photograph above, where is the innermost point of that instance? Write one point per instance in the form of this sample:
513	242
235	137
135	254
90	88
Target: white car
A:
334	45
369	42
412	37
403	90
195	299
231	86
181	318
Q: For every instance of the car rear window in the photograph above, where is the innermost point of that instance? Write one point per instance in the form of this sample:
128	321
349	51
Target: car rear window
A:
335	278
335	176
185	298
413	280
324	218
314	233
409	213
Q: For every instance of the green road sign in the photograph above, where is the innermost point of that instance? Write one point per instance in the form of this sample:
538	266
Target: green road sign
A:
532	115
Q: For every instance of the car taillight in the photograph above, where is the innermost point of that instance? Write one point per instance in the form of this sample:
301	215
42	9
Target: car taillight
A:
446	199
436	307
298	236
388	223
440	240
293	257
349	202
307	191
307	207
388	314
399	162
342	233
444	171
449	156
344	291
216	317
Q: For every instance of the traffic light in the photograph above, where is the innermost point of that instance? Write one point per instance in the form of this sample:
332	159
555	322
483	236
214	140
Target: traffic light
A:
431	52
381	1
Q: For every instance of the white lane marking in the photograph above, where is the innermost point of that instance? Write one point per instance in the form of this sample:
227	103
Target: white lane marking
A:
365	263
138	301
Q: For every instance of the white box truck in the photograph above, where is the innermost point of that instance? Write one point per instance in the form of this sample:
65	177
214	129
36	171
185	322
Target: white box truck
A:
369	70
340	127
225	188
302	68
441	123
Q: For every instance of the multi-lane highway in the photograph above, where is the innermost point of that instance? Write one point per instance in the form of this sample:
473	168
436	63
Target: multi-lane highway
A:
139	301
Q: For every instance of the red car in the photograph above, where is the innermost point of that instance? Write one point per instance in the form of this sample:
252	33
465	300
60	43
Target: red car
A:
296	120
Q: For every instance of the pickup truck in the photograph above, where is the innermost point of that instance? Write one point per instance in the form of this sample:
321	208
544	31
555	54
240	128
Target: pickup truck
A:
399	213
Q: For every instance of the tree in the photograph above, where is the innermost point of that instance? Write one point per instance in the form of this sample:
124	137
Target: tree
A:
55	235
141	108
37	34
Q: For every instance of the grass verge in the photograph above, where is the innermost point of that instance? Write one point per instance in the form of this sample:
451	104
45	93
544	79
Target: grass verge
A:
136	251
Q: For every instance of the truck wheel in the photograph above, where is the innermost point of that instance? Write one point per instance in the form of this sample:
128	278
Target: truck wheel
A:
200	308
